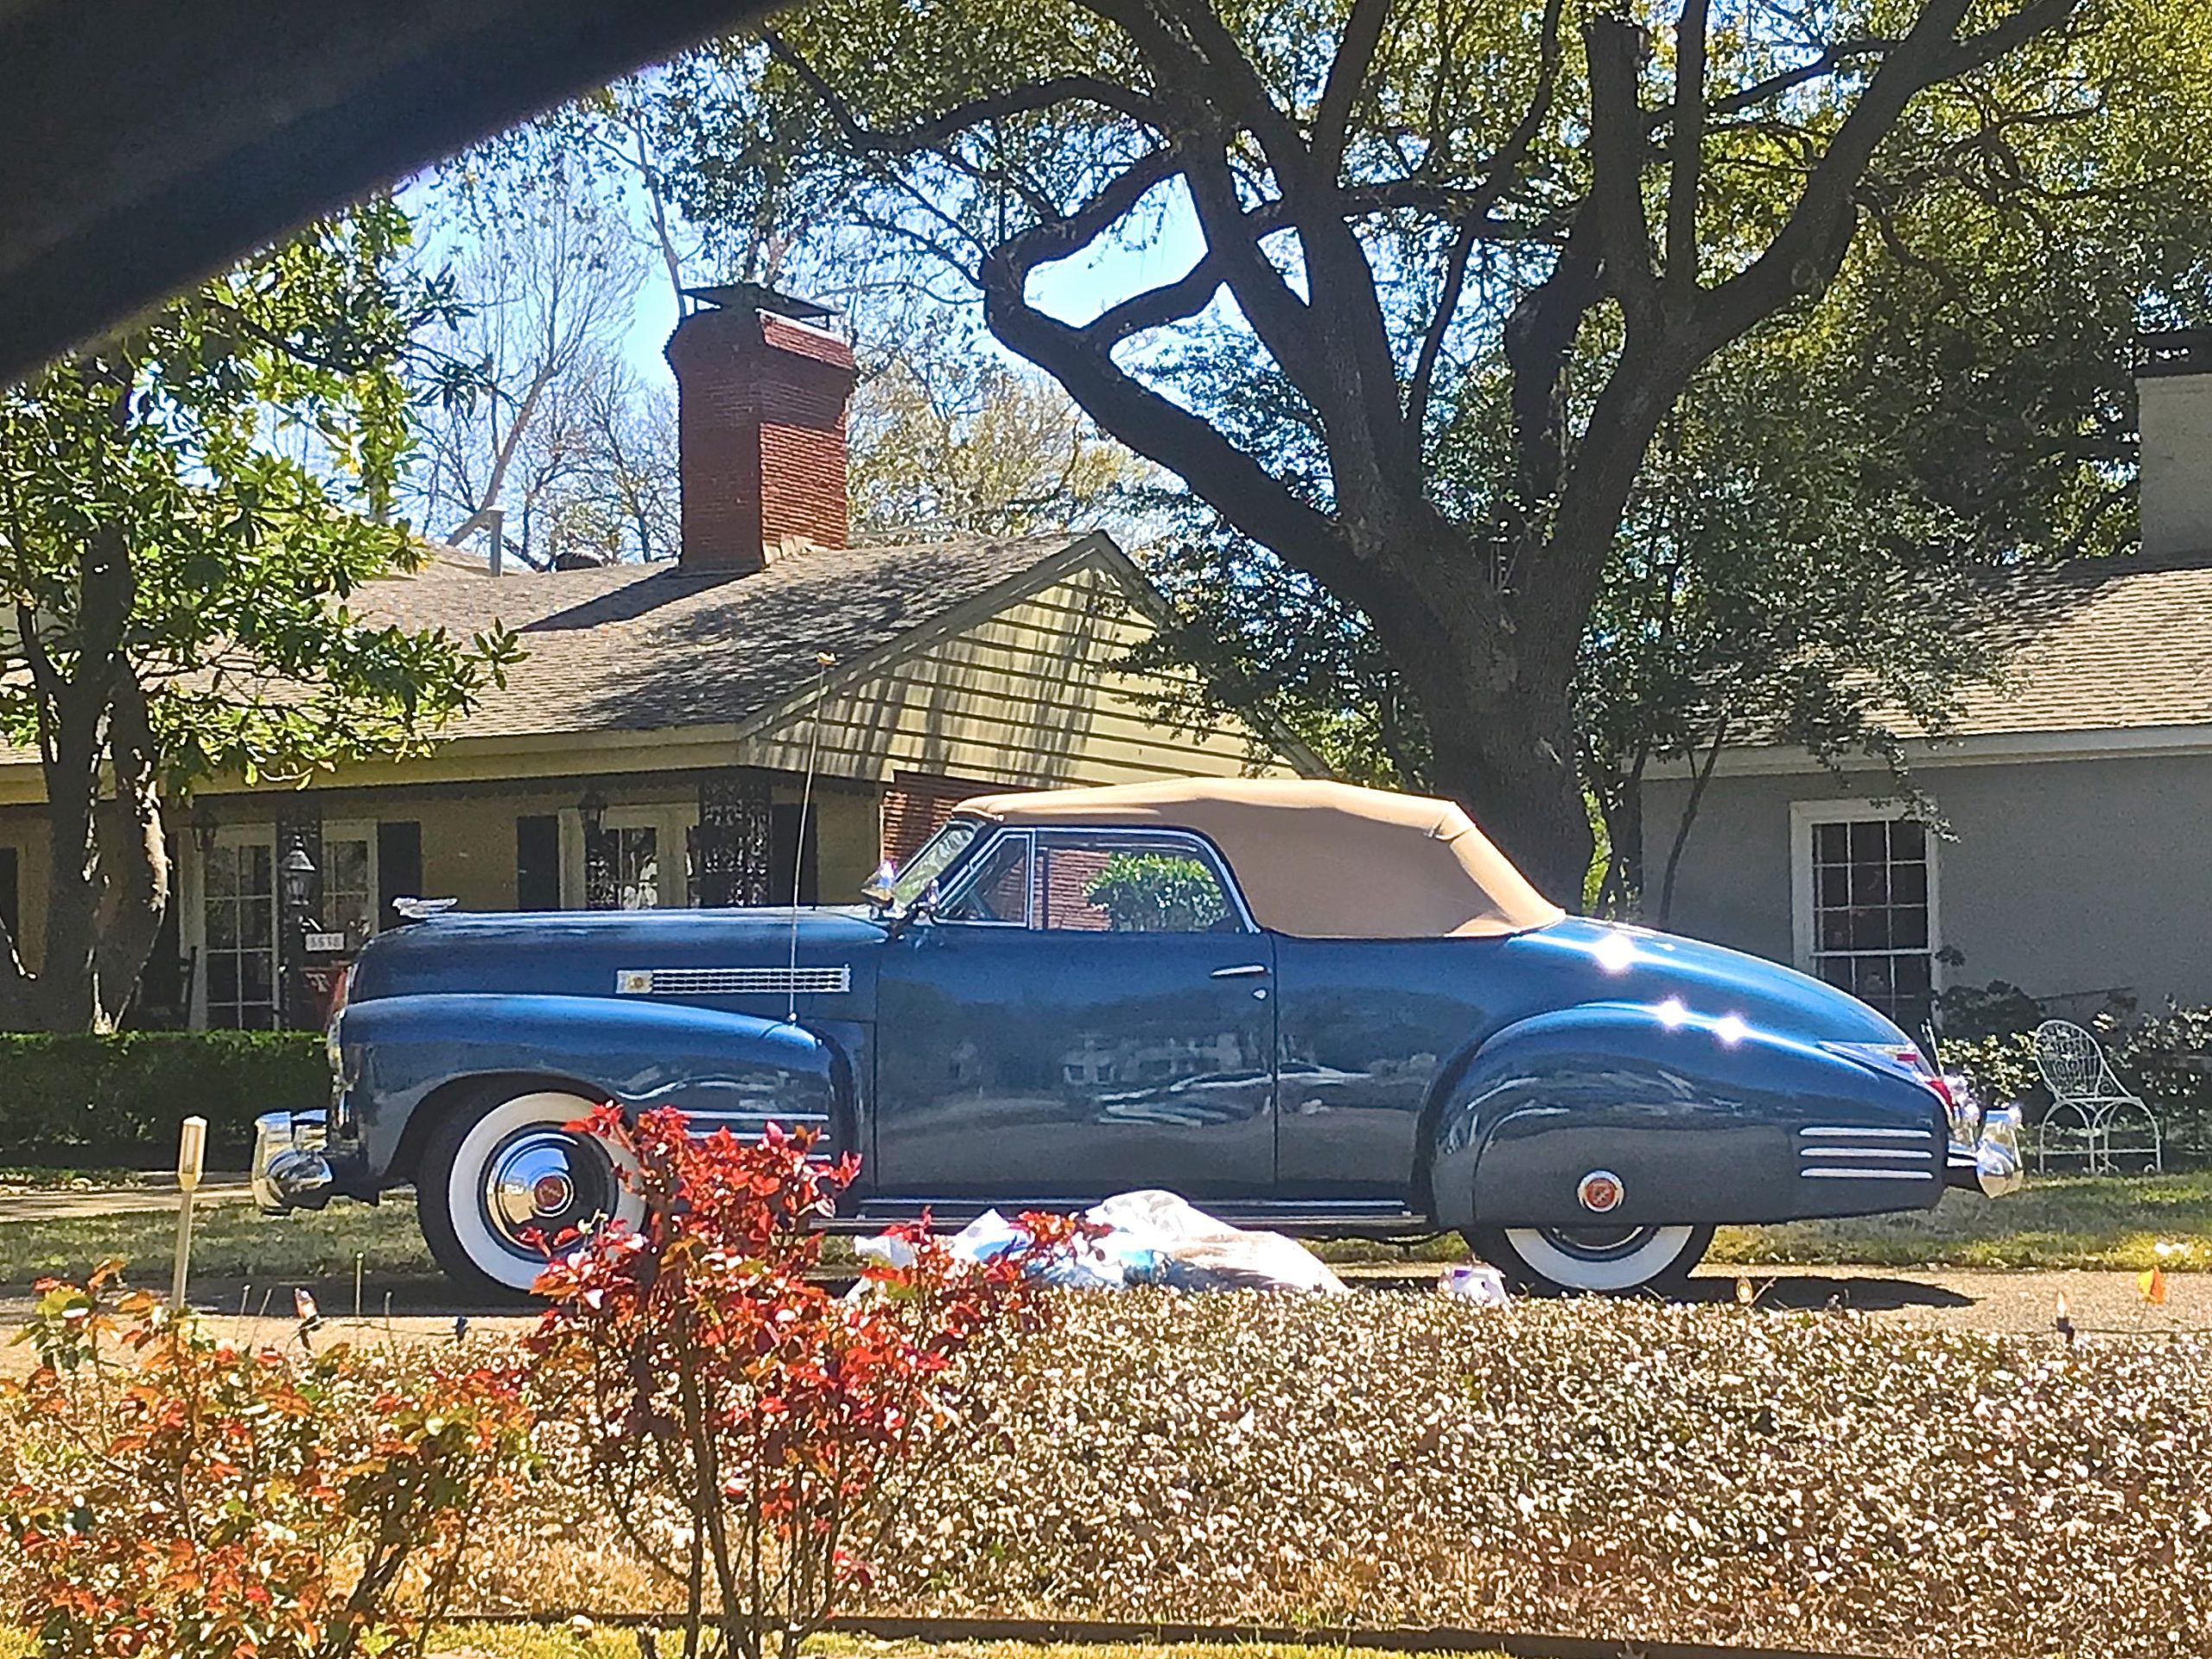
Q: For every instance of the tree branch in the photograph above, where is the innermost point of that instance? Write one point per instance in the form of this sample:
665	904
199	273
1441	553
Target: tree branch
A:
941	129
1503	165
1185	296
1687	160
1229	480
1615	49
1802	258
1363	31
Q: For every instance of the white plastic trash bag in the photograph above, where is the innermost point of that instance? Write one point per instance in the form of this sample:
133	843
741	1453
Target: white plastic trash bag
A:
1089	1265
1150	1239
1473	1281
1194	1251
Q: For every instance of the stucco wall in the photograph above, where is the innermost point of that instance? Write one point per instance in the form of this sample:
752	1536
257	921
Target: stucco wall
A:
2061	876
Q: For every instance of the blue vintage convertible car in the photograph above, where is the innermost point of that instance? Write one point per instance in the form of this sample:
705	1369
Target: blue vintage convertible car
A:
1301	1004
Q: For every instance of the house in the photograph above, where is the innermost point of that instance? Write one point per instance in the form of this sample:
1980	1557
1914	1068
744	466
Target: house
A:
763	720
2075	794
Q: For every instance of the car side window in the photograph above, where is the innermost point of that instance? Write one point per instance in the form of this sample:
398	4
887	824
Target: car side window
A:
1126	884
998	890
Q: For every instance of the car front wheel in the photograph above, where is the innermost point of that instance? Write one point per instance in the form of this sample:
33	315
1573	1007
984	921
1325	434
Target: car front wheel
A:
1603	1261
501	1173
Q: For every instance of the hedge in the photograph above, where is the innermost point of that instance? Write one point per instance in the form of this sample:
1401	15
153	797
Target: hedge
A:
116	1100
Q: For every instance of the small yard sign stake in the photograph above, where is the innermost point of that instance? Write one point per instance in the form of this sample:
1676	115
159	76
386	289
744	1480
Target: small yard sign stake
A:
191	1164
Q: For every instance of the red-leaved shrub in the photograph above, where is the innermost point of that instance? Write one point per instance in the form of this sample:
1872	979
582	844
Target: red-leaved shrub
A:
750	1433
176	1495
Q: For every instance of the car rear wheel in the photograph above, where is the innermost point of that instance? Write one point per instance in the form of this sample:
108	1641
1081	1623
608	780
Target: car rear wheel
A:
1602	1261
500	1169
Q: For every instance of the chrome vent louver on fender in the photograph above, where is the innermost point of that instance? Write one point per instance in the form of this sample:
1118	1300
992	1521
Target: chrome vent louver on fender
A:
1843	1152
731	981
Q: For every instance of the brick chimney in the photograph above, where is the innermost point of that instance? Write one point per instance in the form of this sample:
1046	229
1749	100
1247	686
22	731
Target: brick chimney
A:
760	389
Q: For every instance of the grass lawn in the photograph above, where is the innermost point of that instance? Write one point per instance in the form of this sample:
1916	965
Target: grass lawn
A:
229	1241
2074	1221
2065	1222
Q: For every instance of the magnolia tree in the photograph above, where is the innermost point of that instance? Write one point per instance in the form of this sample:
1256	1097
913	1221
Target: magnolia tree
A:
185	508
752	1435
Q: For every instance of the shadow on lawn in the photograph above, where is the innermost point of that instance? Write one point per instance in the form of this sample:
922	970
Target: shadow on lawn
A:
1819	1291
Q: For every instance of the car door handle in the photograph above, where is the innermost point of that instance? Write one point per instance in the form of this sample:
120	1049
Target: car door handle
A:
1242	971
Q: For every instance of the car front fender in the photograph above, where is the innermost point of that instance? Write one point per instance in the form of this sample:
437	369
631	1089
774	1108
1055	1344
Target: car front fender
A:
724	1070
1701	1119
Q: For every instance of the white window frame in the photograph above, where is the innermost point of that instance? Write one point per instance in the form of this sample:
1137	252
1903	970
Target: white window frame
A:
1804	818
673	822
192	895
360	829
192	924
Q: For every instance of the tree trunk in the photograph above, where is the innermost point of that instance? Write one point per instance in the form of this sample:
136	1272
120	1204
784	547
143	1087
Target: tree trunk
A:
133	852
1516	777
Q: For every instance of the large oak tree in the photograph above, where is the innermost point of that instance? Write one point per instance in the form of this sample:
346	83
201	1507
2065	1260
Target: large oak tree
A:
1385	192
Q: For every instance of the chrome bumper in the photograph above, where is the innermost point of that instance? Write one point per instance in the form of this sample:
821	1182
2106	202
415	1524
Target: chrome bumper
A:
290	1171
1992	1165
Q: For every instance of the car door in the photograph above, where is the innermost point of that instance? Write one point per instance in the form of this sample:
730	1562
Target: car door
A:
1089	1012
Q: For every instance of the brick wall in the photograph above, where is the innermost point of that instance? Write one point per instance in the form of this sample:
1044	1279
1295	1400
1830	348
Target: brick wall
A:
916	803
761	435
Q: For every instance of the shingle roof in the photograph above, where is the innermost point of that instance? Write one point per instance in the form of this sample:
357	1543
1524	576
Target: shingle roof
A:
2099	644
630	647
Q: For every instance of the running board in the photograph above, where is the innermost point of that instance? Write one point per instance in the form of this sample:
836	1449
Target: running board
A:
1312	1218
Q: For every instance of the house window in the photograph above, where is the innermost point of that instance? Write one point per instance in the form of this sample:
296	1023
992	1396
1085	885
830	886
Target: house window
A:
625	869
1866	918
349	884
239	917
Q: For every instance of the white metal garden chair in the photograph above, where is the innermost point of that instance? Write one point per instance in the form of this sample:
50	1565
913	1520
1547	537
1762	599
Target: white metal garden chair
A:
2093	1124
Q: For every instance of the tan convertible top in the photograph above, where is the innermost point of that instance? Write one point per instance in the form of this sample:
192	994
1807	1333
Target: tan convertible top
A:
1316	859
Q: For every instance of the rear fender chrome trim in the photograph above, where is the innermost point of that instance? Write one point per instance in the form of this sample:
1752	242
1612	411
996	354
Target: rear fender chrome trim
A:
1866	1175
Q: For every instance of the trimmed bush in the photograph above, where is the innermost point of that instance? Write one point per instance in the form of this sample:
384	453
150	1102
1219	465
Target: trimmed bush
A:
116	1100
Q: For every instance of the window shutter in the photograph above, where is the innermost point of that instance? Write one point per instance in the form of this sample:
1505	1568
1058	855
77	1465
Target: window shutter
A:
537	862
399	866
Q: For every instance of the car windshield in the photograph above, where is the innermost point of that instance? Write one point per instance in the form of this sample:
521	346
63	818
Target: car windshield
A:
936	857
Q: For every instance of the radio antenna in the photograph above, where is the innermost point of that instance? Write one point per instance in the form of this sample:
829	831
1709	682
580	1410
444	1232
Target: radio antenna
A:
822	660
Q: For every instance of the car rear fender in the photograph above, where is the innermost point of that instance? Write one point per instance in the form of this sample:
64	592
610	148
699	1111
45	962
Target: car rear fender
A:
725	1070
1701	1119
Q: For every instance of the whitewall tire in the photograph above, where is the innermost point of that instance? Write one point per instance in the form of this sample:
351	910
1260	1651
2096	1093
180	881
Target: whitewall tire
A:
500	1166
1600	1260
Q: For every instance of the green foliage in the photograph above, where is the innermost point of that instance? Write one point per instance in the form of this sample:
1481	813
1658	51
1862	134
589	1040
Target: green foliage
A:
204	1499
117	1097
2164	1059
1156	893
711	1367
1435	279
185	508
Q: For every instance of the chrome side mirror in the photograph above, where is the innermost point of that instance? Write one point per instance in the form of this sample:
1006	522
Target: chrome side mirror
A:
877	889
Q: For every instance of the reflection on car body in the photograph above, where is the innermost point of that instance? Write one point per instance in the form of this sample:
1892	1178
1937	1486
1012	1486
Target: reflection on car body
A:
1303	1004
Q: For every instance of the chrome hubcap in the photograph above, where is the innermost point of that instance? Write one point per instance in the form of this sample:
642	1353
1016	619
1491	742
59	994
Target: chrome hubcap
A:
544	1181
1599	1244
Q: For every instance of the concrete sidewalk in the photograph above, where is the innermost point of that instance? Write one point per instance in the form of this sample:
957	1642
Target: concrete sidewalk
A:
71	1203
